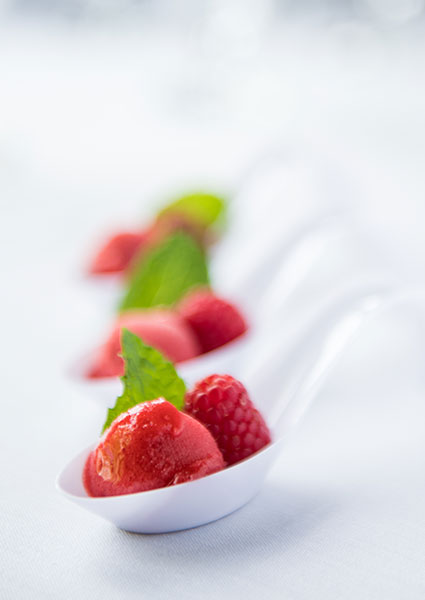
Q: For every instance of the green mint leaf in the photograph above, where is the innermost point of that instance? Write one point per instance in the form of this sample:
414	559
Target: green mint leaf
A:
148	375
205	209
164	276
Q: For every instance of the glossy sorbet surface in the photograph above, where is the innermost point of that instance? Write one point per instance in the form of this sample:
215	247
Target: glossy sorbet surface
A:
152	445
160	328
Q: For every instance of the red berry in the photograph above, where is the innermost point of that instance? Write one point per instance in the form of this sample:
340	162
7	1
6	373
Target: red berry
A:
222	404
214	320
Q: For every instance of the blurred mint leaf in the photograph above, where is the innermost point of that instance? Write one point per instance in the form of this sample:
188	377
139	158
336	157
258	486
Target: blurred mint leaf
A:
205	209
164	275
147	376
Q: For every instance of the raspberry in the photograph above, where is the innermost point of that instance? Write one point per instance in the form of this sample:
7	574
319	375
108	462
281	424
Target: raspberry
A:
214	321
222	404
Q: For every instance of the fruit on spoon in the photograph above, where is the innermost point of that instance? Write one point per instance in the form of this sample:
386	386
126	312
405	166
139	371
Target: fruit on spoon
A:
150	446
196	214
122	250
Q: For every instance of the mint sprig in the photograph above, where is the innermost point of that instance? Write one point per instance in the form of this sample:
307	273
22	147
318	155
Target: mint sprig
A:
147	376
203	208
164	276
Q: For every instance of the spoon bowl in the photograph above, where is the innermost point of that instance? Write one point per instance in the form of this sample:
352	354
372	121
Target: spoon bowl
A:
177	507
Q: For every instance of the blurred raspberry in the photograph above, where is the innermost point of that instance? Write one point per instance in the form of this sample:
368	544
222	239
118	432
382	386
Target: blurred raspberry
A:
214	320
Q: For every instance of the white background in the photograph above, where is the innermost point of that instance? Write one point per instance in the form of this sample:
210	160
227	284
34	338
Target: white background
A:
97	125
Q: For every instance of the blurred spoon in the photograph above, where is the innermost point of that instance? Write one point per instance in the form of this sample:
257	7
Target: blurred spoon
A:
270	277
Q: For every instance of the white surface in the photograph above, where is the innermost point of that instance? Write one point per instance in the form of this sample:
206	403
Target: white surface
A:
84	144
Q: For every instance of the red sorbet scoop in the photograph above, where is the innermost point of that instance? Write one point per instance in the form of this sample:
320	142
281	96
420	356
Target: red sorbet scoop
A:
152	445
164	330
118	251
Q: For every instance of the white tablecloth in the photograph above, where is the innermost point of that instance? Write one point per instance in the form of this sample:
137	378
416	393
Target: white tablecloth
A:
82	149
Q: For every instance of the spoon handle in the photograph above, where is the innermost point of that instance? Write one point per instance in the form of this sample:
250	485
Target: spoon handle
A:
269	271
305	367
292	260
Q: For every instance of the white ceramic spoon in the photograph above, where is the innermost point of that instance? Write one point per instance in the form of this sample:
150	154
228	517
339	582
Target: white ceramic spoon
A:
287	260
292	382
